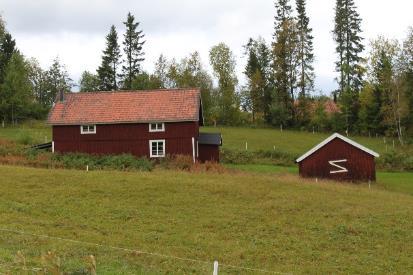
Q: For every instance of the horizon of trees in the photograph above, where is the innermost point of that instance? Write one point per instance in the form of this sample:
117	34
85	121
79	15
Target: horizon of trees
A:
374	95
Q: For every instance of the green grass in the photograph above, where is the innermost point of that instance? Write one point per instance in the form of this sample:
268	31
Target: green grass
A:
259	220
295	143
398	182
30	132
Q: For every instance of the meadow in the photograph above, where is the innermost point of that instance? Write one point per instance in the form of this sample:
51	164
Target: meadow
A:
294	143
272	221
249	217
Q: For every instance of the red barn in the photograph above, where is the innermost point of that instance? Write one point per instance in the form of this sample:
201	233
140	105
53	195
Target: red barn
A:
339	158
150	124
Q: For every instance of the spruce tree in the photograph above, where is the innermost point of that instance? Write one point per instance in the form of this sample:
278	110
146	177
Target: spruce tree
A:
284	63
305	61
133	49
347	35
108	70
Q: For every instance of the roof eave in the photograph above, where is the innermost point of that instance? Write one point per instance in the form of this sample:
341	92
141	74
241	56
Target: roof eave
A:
327	140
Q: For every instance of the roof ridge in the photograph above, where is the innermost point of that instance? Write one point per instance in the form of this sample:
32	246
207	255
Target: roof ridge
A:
134	91
330	138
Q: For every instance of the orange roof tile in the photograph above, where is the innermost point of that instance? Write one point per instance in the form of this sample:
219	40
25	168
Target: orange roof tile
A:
127	107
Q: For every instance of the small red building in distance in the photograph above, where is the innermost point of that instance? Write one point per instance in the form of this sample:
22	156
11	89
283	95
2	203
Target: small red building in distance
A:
339	158
150	124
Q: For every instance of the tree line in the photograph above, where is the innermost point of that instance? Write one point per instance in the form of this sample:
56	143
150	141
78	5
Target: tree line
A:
374	95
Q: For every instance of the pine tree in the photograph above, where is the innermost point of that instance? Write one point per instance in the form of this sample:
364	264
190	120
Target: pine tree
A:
133	49
305	61
284	64
108	70
350	63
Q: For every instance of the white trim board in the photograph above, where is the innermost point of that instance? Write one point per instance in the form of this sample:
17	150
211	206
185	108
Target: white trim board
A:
328	140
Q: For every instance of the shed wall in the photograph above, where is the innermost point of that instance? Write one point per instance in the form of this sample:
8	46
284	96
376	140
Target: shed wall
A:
208	153
360	165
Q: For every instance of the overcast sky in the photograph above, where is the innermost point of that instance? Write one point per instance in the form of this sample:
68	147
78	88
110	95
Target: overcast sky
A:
75	30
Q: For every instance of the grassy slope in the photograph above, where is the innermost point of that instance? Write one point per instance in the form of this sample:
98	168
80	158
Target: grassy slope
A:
293	142
398	182
38	132
250	220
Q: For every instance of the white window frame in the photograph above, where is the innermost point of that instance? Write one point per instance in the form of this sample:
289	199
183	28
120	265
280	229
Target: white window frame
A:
164	148
88	132
162	129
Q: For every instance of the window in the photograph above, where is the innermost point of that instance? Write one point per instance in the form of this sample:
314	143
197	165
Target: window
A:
88	129
156	127
157	148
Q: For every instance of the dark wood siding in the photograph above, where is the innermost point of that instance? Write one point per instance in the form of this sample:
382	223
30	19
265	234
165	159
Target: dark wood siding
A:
208	153
360	165
125	138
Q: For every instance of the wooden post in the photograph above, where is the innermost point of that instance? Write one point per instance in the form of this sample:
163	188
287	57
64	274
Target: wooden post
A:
87	168
393	143
215	268
281	127
193	149
246	146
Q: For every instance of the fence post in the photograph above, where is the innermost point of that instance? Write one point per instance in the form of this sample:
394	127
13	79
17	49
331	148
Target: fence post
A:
215	268
246	146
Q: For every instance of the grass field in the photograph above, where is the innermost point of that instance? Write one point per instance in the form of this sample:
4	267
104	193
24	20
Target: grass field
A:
33	132
291	142
398	182
254	220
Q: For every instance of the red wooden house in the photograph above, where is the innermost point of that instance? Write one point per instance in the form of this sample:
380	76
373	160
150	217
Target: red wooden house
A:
339	158
143	123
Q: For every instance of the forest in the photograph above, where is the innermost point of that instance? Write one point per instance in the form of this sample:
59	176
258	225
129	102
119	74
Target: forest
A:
374	78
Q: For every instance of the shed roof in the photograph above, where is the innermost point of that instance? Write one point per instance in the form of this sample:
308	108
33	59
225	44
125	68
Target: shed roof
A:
173	105
210	139
343	138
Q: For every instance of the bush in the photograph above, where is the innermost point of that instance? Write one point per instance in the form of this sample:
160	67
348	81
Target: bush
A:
236	156
260	157
123	162
178	162
396	161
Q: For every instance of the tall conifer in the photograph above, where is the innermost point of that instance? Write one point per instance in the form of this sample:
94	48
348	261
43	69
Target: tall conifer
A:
108	70
133	49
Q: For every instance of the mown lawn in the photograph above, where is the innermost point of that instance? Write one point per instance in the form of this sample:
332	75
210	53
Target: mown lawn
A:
256	220
295	143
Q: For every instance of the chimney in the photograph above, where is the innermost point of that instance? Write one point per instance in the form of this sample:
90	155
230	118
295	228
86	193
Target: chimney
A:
61	96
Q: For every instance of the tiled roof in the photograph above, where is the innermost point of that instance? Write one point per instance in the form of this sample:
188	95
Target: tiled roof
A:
127	107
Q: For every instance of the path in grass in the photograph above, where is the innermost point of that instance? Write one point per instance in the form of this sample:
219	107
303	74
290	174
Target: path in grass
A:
278	223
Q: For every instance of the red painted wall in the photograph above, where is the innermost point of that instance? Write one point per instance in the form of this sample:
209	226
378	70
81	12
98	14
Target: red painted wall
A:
360	165
208	153
126	138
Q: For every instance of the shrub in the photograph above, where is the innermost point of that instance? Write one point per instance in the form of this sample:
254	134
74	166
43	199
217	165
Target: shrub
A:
236	156
178	162
261	156
113	162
